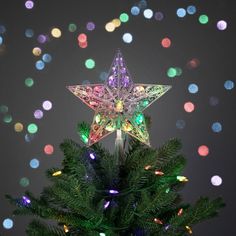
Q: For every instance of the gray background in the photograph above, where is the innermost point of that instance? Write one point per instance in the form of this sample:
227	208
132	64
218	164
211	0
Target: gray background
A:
147	62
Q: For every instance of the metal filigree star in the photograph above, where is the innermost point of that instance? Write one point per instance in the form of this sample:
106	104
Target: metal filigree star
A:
118	103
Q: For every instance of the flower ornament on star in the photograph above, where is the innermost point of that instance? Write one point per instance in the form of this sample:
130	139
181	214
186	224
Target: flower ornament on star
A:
118	103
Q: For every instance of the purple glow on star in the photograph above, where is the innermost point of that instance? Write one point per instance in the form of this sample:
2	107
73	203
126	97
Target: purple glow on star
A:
106	204
113	191
26	200
92	156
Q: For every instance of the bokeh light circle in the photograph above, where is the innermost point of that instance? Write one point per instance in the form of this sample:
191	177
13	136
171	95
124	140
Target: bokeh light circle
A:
216	127
7	223
193	63
47	58
189	107
127	37
18	127
3	109
29	138
229	84
135	10
171	72
148	13
193	88
39	65
56	33
180	124
124	17
203	19
72	27
34	163
29	82
29	33
216	180
82	38
116	22
166	43
47	105
159	16
90	63
203	150
32	128
7	118
181	12
2	29
90	26
38	114
42	38
1	40
48	149
24	182
191	10
37	51
221	25
103	76
110	27
29	4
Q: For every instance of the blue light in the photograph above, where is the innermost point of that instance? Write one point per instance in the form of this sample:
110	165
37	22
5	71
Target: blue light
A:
181	12
229	84
39	65
47	58
34	163
142	4
193	88
216	127
29	138
1	40
148	13
135	11
7	223
180	124
2	29
29	33
127	38
92	156
191	10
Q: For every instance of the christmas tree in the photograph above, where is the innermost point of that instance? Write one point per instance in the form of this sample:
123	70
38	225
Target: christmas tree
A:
131	192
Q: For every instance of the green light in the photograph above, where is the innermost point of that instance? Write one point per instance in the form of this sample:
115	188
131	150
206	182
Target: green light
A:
171	72
145	103
90	63
139	119
84	138
24	182
178	71
32	128
203	19
72	27
124	17
3	109
7	118
167	190
29	82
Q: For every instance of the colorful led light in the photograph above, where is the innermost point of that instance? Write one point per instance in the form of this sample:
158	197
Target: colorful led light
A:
124	17
25	200
159	16
48	149
148	13
32	128
110	27
189	107
216	180
56	33
34	163
7	223
18	127
203	150
221	25
112	191
166	43
24	182
92	156
38	114
135	10
29	4
181	12
216	127
106	204
47	105
39	65
127	38
90	63
29	82
203	19
57	173
229	84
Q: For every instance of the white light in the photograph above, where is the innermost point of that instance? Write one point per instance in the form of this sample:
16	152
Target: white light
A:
216	180
127	38
148	13
102	234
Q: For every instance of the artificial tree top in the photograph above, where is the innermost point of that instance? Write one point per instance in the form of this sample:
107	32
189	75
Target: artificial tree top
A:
118	103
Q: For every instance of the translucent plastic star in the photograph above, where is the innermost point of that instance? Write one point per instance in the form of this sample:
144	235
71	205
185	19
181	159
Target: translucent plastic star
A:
118	103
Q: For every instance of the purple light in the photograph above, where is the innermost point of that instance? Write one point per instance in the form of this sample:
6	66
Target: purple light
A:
38	114
42	38
47	105
29	4
26	200
90	26
112	191
92	156
221	25
106	204
167	227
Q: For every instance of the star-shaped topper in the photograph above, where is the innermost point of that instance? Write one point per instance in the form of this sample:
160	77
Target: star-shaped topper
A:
118	103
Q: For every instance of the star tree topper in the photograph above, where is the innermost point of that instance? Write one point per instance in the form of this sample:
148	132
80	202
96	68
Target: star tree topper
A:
118	103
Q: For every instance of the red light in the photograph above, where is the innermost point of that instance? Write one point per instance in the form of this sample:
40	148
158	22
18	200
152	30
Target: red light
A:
48	149
166	43
82	38
189	107
83	45
203	150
